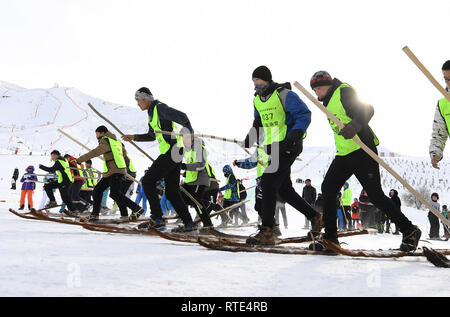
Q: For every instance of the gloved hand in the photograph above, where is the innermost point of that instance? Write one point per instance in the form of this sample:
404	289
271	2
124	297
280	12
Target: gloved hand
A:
293	142
350	130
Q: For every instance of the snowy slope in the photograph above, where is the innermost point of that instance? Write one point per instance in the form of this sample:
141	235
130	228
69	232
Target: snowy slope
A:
39	258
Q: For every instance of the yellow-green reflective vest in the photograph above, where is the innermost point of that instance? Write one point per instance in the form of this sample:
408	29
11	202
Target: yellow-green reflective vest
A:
117	151
444	108
131	166
273	118
343	146
229	191
66	166
263	157
156	126
346	197
92	182
191	157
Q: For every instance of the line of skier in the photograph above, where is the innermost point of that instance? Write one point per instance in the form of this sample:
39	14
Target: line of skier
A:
280	124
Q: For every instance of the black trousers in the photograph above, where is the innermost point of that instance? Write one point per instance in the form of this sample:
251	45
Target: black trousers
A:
124	186
434	225
114	182
280	182
198	192
347	217
165	168
367	171
63	191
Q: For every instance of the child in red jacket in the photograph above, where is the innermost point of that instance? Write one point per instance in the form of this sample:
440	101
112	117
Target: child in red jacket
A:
356	220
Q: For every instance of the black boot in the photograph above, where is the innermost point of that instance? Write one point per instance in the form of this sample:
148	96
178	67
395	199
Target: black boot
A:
136	214
21	207
410	240
264	236
318	245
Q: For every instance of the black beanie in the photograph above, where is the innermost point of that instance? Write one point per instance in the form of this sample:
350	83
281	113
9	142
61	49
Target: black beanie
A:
101	128
262	72
321	78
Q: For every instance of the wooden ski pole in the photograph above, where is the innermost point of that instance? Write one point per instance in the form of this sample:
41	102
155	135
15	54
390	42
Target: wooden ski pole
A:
247	189
88	149
118	130
372	154
425	71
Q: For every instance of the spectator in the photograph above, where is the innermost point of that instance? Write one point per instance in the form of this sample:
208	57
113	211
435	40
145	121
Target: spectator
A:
29	185
356	219
434	221
309	195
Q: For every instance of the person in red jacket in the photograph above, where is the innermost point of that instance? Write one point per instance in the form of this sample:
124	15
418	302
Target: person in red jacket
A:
356	219
29	185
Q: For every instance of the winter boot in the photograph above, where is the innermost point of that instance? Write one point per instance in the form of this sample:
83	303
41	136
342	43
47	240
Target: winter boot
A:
264	236
318	245
51	204
157	223
92	218
22	207
410	240
186	228
136	214
276	231
316	225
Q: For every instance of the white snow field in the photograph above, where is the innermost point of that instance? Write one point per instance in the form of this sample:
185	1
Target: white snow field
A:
39	258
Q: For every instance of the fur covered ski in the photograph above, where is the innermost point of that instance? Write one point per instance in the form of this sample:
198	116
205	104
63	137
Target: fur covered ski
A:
436	257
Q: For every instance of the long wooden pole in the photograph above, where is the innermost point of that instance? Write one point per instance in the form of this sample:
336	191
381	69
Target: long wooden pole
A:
88	149
425	71
372	154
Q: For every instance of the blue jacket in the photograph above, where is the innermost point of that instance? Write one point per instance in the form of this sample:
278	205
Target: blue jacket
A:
232	184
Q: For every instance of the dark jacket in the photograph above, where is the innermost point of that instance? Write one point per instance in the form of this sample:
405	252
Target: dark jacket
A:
356	110
309	194
166	115
16	174
57	167
395	199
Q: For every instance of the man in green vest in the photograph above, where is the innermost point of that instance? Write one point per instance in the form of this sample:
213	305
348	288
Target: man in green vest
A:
64	180
341	99
92	177
441	122
346	199
197	177
115	169
167	165
283	118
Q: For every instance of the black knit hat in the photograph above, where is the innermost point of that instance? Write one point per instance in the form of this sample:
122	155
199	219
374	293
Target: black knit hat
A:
262	72
321	78
446	65
101	128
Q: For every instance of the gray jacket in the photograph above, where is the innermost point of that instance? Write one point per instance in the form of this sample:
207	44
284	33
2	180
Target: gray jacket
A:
439	134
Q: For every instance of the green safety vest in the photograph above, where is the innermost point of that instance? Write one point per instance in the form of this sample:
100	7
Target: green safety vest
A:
444	108
191	157
156	125
131	166
117	151
66	166
91	182
210	170
273	118
263	157
346	197
343	146
228	192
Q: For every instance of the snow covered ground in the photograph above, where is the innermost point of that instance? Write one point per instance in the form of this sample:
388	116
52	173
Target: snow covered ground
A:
50	259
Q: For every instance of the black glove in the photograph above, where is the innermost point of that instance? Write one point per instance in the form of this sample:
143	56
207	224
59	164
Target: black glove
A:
183	166
350	130
293	142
